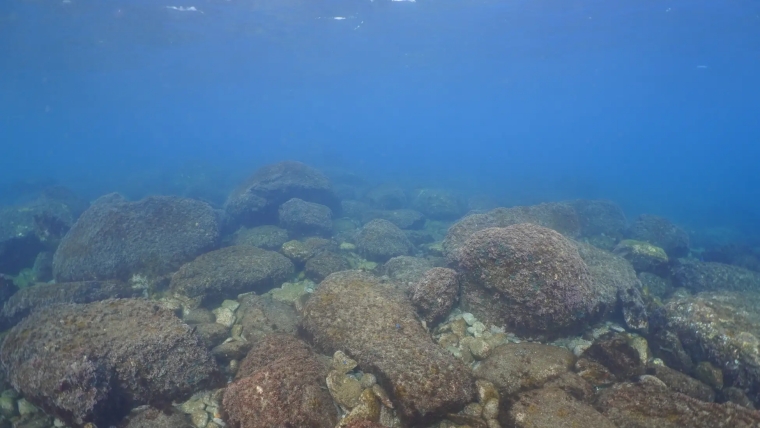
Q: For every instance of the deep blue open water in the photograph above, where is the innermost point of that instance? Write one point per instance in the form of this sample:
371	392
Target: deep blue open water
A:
653	104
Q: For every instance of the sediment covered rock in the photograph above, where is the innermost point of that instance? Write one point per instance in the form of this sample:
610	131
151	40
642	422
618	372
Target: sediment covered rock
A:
116	239
95	362
379	240
375	324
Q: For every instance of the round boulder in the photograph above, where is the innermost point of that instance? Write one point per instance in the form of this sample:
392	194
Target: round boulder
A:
267	237
379	240
256	201
95	362
661	232
303	218
116	239
527	277
230	271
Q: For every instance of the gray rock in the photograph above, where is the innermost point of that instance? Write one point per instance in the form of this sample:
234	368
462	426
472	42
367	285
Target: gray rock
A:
379	240
303	218
101	355
560	217
661	232
227	272
266	237
375	325
697	276
256	201
116	239
39	296
518	367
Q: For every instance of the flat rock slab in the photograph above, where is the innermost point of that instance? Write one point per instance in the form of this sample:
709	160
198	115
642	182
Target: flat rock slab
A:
375	324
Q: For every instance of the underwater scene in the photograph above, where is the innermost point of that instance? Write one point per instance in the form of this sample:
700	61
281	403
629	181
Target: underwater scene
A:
379	213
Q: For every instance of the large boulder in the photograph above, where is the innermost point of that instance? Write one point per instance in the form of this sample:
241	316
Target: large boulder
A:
527	277
257	200
560	217
375	325
650	404
117	239
660	232
435	293
42	295
379	240
281	383
697	276
303	218
721	327
229	271
95	362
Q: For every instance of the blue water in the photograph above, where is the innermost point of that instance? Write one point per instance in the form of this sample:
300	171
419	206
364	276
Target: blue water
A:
653	104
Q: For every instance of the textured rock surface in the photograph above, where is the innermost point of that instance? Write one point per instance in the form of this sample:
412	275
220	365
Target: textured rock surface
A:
649	403
42	295
518	367
527	277
379	240
406	270
557	216
552	407
438	204
682	383
719	327
153	418
435	294
116	239
617	353
94	362
699	276
256	200
324	263
261	316
600	217
267	237
303	218
281	383
375	325
230	271
643	256
661	232
615	285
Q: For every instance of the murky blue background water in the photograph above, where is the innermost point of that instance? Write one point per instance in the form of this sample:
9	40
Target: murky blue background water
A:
653	104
